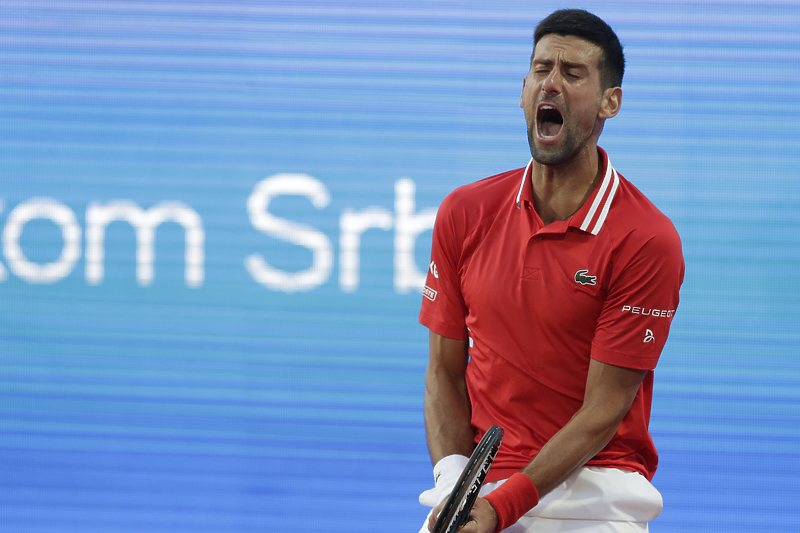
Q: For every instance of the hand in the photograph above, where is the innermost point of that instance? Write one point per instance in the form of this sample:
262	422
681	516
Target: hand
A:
482	518
434	515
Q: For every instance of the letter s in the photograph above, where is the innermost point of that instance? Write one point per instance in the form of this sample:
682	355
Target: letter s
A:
300	234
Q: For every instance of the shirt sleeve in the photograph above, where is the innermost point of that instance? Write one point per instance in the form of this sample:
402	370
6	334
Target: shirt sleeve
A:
641	302
443	309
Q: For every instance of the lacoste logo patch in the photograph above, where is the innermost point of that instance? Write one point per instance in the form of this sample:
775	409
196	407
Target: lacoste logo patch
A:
429	293
582	277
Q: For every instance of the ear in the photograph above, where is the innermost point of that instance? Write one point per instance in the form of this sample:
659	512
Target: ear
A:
611	102
524	81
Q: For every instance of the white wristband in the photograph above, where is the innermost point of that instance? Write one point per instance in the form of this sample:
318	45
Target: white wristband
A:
445	475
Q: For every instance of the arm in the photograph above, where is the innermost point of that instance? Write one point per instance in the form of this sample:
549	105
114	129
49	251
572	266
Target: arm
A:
447	407
610	391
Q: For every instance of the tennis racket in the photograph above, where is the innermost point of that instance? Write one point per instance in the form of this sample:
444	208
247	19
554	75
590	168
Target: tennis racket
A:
455	512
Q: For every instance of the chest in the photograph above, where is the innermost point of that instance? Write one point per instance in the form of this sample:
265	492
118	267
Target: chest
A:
537	281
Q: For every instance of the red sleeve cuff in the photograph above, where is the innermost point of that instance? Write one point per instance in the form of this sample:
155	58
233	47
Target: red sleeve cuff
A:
610	357
445	330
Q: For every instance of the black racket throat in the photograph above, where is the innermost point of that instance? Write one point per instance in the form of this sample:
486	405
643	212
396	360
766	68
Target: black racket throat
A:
455	512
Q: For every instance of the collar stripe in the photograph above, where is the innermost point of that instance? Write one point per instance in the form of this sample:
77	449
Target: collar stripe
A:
607	205
611	178
598	198
522	184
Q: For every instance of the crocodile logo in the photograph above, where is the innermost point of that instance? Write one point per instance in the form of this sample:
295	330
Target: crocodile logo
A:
582	277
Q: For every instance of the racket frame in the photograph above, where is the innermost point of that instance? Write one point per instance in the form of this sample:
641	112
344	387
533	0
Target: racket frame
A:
455	512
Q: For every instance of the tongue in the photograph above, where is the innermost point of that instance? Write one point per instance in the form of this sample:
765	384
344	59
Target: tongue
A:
550	129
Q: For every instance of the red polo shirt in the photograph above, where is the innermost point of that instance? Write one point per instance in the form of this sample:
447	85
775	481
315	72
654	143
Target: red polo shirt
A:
537	302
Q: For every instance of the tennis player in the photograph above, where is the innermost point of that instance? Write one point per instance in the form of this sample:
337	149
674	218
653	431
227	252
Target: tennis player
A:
549	298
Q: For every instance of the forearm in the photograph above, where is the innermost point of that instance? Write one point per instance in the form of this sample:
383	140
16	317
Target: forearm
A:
577	442
609	393
447	417
447	406
569	449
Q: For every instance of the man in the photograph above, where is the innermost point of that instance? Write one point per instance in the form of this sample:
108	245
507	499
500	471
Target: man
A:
549	299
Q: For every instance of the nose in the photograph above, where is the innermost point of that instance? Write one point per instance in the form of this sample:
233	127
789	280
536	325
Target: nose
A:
551	83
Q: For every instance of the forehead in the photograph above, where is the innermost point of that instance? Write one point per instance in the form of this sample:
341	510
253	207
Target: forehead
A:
554	48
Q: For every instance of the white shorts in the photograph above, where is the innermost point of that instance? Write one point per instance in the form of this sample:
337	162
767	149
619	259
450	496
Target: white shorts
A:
597	500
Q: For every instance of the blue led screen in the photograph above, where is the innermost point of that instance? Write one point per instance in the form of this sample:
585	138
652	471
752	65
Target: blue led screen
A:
216	221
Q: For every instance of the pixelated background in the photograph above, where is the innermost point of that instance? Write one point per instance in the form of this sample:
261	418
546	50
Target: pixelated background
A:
215	216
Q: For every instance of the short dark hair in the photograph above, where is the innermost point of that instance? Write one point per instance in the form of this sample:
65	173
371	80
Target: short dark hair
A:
592	28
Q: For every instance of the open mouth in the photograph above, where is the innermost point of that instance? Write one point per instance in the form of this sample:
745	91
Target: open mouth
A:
549	121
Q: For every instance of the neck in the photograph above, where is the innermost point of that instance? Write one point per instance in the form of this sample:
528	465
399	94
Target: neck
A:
560	190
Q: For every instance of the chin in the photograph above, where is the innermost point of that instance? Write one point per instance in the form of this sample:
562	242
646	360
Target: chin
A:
551	157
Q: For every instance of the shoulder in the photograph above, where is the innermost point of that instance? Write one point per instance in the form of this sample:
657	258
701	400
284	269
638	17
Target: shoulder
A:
644	241
477	200
634	219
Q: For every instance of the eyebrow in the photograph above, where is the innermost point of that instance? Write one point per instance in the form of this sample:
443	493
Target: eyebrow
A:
568	64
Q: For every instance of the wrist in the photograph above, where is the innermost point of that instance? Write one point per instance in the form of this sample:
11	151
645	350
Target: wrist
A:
512	499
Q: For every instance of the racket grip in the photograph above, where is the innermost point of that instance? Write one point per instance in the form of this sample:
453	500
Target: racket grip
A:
512	499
